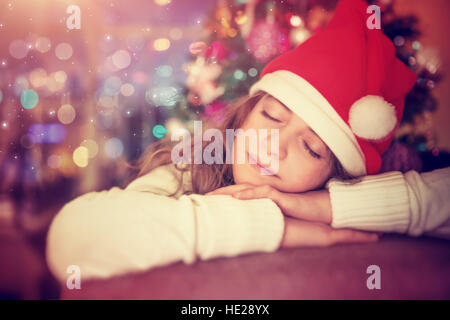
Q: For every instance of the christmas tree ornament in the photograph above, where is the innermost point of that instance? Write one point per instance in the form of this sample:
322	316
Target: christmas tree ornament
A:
267	38
215	112
201	80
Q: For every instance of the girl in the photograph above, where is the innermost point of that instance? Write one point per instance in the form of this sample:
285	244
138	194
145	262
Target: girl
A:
330	126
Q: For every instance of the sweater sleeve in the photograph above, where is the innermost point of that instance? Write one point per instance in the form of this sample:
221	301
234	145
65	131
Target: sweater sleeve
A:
118	231
409	203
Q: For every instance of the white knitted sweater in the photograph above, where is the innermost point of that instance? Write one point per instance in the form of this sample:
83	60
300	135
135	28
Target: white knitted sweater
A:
117	231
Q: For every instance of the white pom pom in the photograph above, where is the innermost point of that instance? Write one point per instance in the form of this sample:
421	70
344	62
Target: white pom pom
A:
372	117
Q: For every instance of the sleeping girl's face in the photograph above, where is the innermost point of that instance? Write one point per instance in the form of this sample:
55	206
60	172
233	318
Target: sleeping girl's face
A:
304	161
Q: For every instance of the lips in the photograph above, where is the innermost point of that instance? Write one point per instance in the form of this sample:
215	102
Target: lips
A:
264	169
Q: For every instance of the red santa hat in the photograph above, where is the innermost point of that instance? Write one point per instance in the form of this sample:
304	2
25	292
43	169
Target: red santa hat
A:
347	84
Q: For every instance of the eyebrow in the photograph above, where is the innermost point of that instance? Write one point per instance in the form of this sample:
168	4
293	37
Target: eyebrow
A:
275	99
309	128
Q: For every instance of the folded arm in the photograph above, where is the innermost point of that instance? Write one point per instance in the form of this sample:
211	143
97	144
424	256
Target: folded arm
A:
117	231
409	203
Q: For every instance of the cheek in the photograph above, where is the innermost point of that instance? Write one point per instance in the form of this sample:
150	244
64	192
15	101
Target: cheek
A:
242	174
239	173
305	175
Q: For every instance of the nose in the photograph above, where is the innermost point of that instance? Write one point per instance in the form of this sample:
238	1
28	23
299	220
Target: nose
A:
282	144
276	143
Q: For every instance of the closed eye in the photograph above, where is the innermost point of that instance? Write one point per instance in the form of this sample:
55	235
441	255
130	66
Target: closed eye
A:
311	152
265	114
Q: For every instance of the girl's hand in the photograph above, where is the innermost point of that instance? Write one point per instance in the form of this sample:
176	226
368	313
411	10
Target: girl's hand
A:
312	206
298	233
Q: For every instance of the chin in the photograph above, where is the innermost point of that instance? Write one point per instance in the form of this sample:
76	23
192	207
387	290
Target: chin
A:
246	174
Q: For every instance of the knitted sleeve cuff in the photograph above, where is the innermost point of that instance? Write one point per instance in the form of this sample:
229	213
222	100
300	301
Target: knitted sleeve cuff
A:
372	203
229	226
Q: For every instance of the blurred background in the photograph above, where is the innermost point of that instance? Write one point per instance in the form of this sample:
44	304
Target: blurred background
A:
86	86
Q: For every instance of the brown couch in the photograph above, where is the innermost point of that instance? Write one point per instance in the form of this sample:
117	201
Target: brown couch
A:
411	268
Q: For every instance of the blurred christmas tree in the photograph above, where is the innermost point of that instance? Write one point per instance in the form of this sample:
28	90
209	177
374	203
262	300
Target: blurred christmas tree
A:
243	35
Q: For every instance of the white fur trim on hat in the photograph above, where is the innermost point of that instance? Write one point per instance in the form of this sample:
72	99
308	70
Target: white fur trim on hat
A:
372	117
309	104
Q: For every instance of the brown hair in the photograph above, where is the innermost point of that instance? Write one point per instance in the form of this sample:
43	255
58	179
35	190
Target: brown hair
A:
208	177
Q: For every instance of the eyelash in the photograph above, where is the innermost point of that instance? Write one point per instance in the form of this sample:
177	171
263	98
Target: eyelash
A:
311	152
308	148
265	114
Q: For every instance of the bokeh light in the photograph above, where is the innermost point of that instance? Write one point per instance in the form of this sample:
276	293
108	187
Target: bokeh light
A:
66	114
197	47
239	75
81	157
164	71
112	85
241	17
162	96
54	161
43	44
252	72
159	131
38	77
63	51
121	59
162	2
296	21
161	44
20	84
46	133
127	89
113	148
29	99
108	66
91	146
299	35
174	124
18	49
106	101
60	76
56	81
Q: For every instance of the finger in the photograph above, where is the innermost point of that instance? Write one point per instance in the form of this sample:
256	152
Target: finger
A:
229	189
352	236
292	204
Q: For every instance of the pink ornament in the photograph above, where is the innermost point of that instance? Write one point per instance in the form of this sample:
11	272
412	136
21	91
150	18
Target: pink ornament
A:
267	40
217	51
215	111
